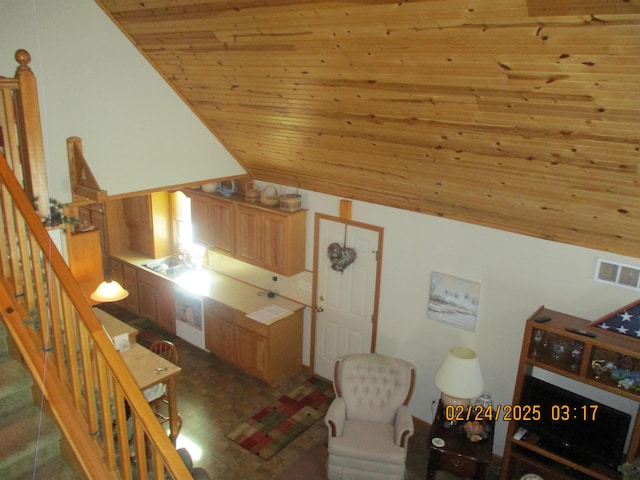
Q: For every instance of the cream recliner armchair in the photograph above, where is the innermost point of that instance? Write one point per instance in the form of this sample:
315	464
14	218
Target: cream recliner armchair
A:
369	422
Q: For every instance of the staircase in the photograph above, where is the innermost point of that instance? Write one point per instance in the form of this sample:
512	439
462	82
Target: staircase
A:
29	440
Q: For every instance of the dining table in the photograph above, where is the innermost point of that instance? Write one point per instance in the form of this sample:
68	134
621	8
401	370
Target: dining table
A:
149	369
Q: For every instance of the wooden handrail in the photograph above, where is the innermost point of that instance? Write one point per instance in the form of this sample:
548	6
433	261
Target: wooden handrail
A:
32	148
92	395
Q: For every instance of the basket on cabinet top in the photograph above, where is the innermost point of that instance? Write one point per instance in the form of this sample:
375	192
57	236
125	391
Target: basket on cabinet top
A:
291	202
269	196
252	192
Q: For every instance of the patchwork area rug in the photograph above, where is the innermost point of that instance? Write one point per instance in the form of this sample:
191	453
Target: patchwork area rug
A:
275	426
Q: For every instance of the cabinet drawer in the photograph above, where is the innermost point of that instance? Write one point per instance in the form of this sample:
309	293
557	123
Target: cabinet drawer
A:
458	465
241	320
219	311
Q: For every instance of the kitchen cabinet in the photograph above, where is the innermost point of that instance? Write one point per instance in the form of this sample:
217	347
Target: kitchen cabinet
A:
271	239
213	222
156	300
269	352
147	223
130	284
126	275
263	236
250	353
218	329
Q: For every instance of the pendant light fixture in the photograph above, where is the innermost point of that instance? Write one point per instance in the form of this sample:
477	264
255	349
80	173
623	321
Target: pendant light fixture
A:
109	290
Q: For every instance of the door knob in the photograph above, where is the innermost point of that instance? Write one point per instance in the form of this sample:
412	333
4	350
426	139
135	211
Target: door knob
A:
319	309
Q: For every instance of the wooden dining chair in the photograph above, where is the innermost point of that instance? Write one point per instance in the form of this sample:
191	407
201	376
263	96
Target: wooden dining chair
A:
166	350
169	352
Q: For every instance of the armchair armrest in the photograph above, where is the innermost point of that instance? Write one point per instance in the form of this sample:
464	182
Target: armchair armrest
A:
335	417
403	426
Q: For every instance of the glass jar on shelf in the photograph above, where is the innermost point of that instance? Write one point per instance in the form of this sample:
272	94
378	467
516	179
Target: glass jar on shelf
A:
576	354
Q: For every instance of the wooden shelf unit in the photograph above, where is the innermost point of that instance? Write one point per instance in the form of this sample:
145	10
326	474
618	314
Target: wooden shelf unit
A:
525	456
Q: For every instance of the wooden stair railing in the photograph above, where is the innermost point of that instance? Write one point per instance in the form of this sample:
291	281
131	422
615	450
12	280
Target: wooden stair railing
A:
24	147
103	415
88	387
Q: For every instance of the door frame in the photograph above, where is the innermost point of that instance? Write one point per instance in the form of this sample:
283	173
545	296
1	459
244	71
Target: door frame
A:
314	293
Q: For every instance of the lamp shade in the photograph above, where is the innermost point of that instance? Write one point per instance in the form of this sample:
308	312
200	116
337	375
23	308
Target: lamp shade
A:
459	375
109	291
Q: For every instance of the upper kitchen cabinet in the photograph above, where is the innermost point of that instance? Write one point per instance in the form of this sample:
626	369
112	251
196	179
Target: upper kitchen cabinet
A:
213	222
271	239
147	224
263	236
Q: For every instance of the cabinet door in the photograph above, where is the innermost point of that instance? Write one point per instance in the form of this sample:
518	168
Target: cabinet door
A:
219	337
274	244
130	284
249	235
212	222
126	275
156	300
117	270
147	296
165	307
218	329
222	226
201	221
147	223
251	352
137	214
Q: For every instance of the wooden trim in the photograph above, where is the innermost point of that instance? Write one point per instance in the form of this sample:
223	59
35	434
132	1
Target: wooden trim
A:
345	209
83	184
411	387
314	293
336	378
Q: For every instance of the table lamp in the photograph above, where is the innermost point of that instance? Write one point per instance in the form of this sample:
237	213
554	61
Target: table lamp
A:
459	378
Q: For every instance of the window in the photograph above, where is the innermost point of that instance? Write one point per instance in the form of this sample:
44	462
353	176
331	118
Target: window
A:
182	233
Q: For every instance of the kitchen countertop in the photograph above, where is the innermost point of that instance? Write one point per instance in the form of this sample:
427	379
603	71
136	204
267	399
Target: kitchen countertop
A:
231	292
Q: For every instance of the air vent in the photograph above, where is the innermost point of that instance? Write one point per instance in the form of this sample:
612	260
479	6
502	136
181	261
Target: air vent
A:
618	273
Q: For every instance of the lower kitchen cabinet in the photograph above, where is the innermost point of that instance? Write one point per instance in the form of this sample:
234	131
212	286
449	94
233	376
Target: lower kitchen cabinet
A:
251	352
271	353
130	284
127	276
218	329
156	300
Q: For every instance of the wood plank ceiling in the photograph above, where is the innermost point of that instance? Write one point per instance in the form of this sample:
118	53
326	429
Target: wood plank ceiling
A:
514	114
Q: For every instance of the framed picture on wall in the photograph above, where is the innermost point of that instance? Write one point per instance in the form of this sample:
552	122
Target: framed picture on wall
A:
453	301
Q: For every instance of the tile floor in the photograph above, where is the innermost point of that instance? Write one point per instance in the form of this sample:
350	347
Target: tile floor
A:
214	396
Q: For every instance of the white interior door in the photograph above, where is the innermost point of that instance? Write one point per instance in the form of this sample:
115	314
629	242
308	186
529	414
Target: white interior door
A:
345	302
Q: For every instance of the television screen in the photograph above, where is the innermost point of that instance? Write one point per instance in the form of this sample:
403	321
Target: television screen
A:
575	427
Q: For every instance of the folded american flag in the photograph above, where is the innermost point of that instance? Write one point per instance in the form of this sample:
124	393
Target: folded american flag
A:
625	321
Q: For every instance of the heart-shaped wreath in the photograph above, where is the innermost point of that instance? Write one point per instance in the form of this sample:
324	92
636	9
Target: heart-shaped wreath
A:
340	257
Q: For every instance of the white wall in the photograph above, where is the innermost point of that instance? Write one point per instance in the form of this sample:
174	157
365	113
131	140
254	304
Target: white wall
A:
94	84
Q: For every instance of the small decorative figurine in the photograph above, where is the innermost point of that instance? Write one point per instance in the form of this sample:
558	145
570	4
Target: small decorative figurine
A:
475	431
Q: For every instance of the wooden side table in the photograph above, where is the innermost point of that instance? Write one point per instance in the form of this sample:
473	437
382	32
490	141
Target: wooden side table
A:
457	455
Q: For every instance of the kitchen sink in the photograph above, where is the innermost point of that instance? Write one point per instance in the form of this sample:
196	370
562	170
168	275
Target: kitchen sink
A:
169	266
